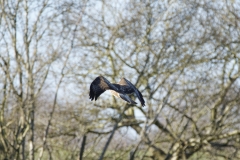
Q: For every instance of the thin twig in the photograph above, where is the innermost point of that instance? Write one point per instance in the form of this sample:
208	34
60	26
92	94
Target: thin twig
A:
112	133
82	147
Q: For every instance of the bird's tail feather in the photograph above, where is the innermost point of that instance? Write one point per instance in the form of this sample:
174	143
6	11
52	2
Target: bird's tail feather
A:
127	98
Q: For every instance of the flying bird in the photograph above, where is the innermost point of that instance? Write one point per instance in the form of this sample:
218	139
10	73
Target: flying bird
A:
120	90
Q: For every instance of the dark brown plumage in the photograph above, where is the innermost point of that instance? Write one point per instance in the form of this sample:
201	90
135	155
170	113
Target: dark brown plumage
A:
120	90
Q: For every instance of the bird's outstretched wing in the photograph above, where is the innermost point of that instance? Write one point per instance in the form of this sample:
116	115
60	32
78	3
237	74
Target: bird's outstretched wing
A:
128	88
98	86
125	87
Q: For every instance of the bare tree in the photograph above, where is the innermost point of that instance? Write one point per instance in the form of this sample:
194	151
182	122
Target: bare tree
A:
182	55
30	45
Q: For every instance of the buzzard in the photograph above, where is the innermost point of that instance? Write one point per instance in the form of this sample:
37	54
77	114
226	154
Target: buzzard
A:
120	90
